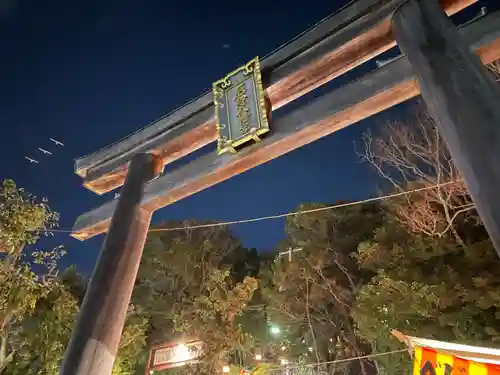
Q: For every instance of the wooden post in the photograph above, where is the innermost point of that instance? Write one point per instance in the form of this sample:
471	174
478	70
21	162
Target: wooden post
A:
461	96
95	340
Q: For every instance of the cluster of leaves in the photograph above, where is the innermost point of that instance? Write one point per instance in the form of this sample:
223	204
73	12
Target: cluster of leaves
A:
38	306
22	218
44	333
191	285
132	344
362	272
36	312
311	296
435	270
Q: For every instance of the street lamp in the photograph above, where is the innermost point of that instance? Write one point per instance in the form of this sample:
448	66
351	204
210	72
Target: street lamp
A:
275	330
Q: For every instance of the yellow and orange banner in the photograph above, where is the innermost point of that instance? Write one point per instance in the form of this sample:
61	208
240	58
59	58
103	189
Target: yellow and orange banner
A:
429	361
431	357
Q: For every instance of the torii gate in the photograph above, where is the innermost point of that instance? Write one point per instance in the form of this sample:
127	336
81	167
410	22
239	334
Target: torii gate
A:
439	63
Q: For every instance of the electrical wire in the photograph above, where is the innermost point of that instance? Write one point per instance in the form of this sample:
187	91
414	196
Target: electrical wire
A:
287	214
373	355
302	212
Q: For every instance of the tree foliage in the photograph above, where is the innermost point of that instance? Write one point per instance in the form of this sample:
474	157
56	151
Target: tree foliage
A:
22	218
436	272
413	155
44	332
312	295
427	286
38	306
132	344
186	289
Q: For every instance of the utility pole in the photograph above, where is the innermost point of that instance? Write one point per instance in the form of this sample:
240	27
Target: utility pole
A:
289	252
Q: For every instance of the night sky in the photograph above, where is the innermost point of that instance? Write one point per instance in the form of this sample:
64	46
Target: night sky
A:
90	72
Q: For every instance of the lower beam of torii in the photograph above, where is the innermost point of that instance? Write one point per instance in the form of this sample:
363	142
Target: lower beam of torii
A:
96	338
462	97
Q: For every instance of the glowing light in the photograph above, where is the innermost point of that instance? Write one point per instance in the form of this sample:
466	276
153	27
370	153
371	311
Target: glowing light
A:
275	330
283	348
182	353
226	369
258	357
284	361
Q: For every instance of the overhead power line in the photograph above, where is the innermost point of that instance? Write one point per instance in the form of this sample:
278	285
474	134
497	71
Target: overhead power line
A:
287	214
368	356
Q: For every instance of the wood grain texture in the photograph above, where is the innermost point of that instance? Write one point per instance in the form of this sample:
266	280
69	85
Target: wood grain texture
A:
279	58
290	133
347	39
462	97
96	337
373	93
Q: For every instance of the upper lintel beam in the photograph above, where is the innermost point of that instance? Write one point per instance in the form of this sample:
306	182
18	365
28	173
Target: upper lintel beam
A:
358	32
376	91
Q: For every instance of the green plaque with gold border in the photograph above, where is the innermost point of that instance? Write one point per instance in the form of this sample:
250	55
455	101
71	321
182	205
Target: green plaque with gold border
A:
241	112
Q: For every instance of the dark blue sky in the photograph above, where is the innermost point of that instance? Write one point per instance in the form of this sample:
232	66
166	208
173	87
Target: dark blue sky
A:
90	72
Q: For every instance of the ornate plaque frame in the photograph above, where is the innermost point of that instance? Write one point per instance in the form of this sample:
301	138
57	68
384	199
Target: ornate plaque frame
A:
240	107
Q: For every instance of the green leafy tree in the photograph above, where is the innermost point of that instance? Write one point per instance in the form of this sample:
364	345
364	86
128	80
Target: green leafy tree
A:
22	219
186	290
35	312
436	272
427	286
44	333
132	344
311	295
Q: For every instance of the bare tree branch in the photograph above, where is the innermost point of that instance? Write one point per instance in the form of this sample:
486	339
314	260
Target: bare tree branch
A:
410	155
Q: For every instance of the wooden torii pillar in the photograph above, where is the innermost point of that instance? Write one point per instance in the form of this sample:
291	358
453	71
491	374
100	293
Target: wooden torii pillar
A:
462	97
96	338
